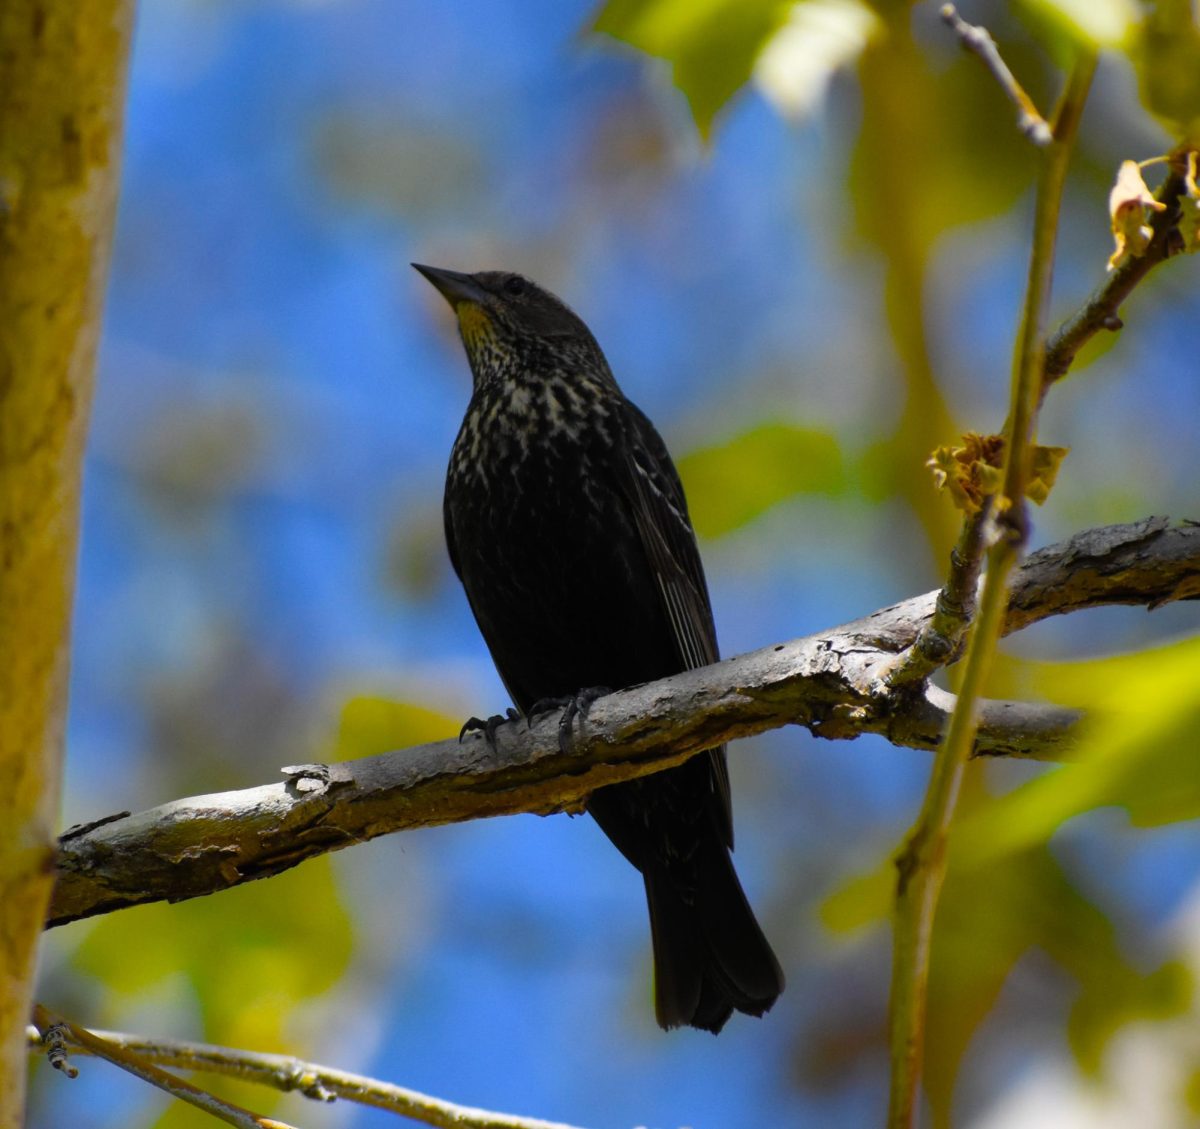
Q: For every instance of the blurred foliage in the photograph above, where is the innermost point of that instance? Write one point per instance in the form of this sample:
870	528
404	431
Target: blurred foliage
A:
711	44
1007	893
1166	53
1066	25
372	725
732	484
1140	735
249	963
993	913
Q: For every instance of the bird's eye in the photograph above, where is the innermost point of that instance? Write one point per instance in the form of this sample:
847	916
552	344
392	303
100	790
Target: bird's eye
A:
514	286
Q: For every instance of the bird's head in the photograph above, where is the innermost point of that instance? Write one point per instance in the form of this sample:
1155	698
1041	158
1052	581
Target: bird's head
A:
513	328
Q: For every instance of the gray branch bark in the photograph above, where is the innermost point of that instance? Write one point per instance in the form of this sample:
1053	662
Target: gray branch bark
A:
833	683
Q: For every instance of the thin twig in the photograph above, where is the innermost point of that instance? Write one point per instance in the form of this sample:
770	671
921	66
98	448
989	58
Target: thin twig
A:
941	638
321	1083
979	41
1102	309
92	1042
921	864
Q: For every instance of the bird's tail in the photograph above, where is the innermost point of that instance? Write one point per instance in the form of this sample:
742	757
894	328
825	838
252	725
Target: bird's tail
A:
710	956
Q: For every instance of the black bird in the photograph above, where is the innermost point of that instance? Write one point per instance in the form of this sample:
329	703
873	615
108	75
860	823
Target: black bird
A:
567	525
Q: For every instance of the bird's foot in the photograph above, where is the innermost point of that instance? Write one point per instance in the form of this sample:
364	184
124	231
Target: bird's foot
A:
572	706
487	727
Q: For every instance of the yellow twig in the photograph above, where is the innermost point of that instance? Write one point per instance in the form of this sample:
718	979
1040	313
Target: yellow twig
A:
922	861
321	1083
141	1067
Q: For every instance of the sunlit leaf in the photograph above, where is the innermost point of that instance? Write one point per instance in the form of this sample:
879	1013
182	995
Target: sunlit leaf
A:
1118	996
1068	24
731	484
1167	56
371	725
1043	472
249	955
990	916
710	44
819	37
1137	752
861	901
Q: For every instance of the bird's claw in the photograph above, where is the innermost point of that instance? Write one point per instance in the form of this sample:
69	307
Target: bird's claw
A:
487	727
572	706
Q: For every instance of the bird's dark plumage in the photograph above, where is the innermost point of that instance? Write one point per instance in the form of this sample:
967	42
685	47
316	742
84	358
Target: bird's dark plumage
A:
567	524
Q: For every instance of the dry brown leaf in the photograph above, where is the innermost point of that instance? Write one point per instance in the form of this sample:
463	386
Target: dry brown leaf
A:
1129	206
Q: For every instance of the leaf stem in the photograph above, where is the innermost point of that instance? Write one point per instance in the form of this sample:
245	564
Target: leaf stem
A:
921	863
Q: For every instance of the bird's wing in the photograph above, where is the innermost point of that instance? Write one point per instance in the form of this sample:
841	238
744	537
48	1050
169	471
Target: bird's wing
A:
651	487
451	544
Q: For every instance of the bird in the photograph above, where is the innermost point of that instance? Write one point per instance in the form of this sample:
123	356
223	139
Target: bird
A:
566	523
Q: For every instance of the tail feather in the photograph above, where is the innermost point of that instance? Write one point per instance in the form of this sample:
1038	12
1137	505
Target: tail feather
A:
710	956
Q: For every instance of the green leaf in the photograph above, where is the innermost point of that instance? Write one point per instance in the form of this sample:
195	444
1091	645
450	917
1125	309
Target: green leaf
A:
1167	56
991	914
731	484
371	725
1137	752
864	900
248	956
1092	24
711	44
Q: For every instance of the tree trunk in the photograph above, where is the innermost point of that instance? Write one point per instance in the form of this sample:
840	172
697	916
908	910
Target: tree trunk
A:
62	81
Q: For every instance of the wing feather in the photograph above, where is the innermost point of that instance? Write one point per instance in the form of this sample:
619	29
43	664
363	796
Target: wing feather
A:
655	496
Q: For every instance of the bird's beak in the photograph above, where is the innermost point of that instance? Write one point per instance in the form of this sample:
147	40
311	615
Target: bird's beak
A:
455	287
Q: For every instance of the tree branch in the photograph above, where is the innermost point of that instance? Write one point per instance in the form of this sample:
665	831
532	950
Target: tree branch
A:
1102	309
832	683
979	41
292	1075
57	1033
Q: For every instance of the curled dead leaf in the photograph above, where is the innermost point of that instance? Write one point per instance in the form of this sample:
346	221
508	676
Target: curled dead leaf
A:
970	472
1129	206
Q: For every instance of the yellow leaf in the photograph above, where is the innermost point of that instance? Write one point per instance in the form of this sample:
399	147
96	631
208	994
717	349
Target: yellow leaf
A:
1136	751
1094	23
971	472
732	483
1129	205
370	725
1043	472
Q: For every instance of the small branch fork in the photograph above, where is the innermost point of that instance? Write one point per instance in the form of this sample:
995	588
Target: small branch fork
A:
282	1072
1102	309
1039	363
978	41
941	639
921	862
